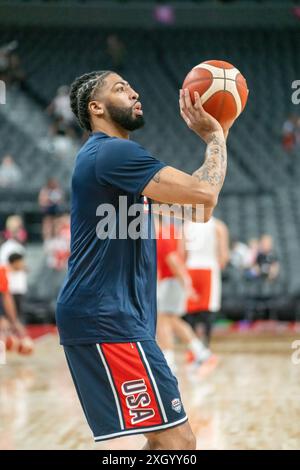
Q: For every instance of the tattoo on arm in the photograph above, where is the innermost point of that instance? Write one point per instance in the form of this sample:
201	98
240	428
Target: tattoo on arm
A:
214	168
156	177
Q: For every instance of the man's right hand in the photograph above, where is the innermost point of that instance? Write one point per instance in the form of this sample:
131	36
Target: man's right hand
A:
172	186
196	118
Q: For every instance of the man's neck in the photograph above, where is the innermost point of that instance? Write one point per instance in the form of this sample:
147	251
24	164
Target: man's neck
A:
112	130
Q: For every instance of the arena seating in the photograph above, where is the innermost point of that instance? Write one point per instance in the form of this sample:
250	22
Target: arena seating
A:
156	65
260	194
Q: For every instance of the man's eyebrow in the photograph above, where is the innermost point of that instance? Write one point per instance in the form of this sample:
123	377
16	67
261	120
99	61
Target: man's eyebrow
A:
123	83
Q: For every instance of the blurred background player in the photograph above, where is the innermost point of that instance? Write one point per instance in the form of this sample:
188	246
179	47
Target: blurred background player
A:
17	280
4	301
12	256
10	326
174	287
12	330
207	254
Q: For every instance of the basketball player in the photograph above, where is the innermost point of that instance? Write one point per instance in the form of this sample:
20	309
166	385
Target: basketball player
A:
207	254
4	326
9	321
106	310
173	289
17	280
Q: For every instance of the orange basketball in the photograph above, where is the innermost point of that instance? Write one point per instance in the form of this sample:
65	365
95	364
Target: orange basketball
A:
222	88
26	346
12	343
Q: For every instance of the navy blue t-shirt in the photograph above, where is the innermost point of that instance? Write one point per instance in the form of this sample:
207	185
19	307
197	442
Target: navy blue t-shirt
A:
109	294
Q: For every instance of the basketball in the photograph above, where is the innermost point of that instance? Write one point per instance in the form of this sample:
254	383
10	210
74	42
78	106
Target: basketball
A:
12	343
222	88
26	346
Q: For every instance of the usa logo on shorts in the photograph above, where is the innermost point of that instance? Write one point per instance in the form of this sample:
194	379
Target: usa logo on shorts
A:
176	405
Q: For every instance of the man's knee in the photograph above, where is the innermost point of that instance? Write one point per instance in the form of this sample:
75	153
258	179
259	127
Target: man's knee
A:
189	441
179	438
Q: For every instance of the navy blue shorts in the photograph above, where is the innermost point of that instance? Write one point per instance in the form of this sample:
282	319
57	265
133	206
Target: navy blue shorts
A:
125	388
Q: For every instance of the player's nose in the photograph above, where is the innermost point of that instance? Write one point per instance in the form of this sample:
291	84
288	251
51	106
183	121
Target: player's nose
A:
134	95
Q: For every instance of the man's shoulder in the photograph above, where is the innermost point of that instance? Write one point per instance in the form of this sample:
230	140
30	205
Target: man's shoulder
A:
115	143
114	149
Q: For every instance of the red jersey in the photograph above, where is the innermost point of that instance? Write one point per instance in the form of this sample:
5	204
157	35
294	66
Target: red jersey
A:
165	246
3	280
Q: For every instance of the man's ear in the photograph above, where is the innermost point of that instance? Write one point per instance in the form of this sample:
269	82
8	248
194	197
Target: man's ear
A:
96	108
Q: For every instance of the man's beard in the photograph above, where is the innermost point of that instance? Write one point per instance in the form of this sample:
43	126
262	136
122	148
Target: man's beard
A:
125	118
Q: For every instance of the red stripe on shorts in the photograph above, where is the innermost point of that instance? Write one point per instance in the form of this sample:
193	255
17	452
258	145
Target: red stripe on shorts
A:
138	401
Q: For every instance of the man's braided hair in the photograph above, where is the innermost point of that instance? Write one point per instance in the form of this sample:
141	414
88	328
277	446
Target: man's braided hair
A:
82	92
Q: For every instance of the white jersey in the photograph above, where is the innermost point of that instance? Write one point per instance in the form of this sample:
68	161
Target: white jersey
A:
17	281
202	253
201	245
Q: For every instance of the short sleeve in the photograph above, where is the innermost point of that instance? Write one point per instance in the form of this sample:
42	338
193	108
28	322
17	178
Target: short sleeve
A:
126	164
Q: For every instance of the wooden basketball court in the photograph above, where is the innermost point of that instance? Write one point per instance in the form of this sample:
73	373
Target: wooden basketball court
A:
250	401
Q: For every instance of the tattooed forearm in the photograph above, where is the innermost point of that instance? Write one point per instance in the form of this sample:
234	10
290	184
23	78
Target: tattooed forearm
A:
214	168
156	177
